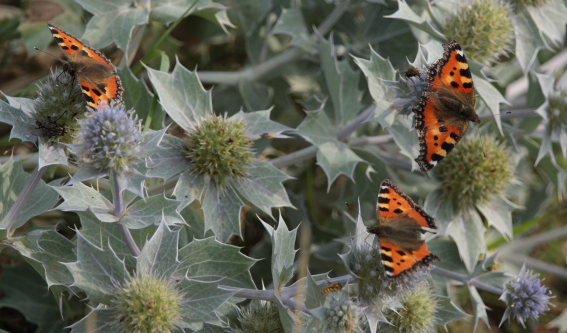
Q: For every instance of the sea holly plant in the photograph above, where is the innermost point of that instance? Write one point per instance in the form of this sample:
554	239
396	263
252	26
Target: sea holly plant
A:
215	158
231	187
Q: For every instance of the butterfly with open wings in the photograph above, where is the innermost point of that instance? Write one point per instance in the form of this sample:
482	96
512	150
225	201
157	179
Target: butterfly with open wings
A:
400	226
96	74
446	106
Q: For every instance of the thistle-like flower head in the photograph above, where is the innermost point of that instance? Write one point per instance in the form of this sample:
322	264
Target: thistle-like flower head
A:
259	316
483	28
526	297
219	148
417	314
109	138
147	304
408	89
341	315
58	105
478	169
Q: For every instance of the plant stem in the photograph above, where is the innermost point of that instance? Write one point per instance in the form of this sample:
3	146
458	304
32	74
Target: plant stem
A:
289	292
150	54
252	73
119	208
263	69
466	280
117	197
536	264
130	240
22	199
343	134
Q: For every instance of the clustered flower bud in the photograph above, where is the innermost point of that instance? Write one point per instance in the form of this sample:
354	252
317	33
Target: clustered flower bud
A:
408	89
147	304
341	315
109	139
417	315
59	103
259	316
365	264
525	297
220	149
483	29
478	169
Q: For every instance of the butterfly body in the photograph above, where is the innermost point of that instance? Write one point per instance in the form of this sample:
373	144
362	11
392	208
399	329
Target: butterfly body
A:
403	232
96	74
446	107
400	226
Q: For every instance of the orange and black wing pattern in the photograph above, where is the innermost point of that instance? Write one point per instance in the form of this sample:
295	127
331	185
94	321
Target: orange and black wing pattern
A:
449	76
97	76
393	205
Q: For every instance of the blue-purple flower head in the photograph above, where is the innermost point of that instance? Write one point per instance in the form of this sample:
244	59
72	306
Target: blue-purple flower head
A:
109	139
526	297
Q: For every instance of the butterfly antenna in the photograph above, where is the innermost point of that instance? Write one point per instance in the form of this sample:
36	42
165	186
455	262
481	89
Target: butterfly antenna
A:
49	54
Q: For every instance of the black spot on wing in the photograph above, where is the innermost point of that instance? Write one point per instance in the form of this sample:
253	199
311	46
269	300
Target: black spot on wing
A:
386	258
74	47
468	85
454	84
387	249
455	137
436	157
460	58
89	99
398	211
85	88
58	39
402	253
447	146
98	93
382	209
384	190
443	129
383	200
465	73
64	47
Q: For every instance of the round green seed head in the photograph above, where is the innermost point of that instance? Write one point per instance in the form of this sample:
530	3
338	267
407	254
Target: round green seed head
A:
483	29
417	314
147	305
478	169
259	316
219	148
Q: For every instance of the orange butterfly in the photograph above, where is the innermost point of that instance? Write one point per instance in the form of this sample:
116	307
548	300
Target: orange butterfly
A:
446	106
95	72
399	229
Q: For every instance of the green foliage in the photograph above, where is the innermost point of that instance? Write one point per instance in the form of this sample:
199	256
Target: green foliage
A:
286	114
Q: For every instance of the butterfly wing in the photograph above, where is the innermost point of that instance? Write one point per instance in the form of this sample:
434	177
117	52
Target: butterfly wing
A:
437	137
392	204
97	75
398	263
